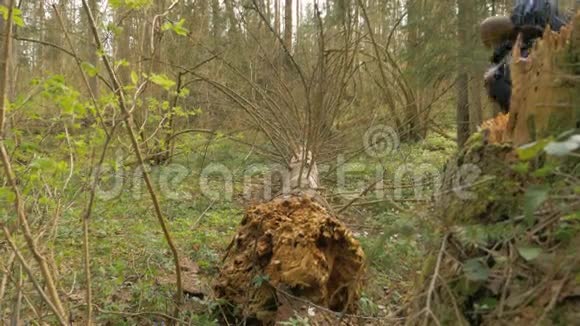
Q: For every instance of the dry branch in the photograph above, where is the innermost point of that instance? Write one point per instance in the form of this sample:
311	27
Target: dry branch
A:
129	123
49	301
23	222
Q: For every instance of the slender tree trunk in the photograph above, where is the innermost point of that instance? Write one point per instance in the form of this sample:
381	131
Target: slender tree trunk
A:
216	20
341	8
462	107
412	112
124	45
462	74
268	10
477	71
92	55
297	19
156	54
277	17
232	20
288	25
5	3
53	35
40	48
202	15
475	104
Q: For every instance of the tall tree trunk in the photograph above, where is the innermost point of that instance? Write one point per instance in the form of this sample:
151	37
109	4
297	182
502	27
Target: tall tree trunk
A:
462	73
476	84
40	20
124	45
2	24
156	53
9	61
54	35
216	20
288	25
277	17
412	111
202	14
232	20
475	105
298	11
92	55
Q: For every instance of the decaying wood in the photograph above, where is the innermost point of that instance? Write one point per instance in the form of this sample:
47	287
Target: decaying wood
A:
486	223
293	246
542	101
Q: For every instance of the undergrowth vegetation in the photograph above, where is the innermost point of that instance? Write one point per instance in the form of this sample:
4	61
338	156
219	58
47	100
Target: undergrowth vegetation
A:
202	192
149	147
132	267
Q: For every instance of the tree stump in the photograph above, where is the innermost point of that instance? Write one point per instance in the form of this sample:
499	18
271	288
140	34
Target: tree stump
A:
505	257
544	91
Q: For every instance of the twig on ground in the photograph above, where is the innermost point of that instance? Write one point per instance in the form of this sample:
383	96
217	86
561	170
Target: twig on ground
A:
432	286
141	314
53	307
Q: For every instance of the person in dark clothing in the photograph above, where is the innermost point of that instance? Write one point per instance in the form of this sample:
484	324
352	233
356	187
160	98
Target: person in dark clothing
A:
529	19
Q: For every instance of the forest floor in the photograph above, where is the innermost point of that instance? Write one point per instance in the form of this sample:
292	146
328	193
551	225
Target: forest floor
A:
132	267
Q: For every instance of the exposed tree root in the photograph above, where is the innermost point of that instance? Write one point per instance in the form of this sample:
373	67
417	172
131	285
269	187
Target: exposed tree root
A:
291	246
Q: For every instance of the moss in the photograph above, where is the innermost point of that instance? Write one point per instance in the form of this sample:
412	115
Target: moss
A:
478	181
486	224
475	142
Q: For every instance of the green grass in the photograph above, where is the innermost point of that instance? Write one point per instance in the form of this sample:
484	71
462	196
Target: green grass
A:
129	254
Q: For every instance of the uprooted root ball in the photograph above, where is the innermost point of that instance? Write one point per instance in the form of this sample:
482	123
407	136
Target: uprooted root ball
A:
290	247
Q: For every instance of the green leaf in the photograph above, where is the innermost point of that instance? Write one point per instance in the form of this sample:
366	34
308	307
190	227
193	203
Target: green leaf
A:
114	28
534	198
4	11
177	28
476	270
7	195
545	171
184	92
43	163
529	253
163	81
16	15
91	70
572	217
530	151
486	304
259	280
167	26
134	77
100	53
521	167
121	63
131	4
